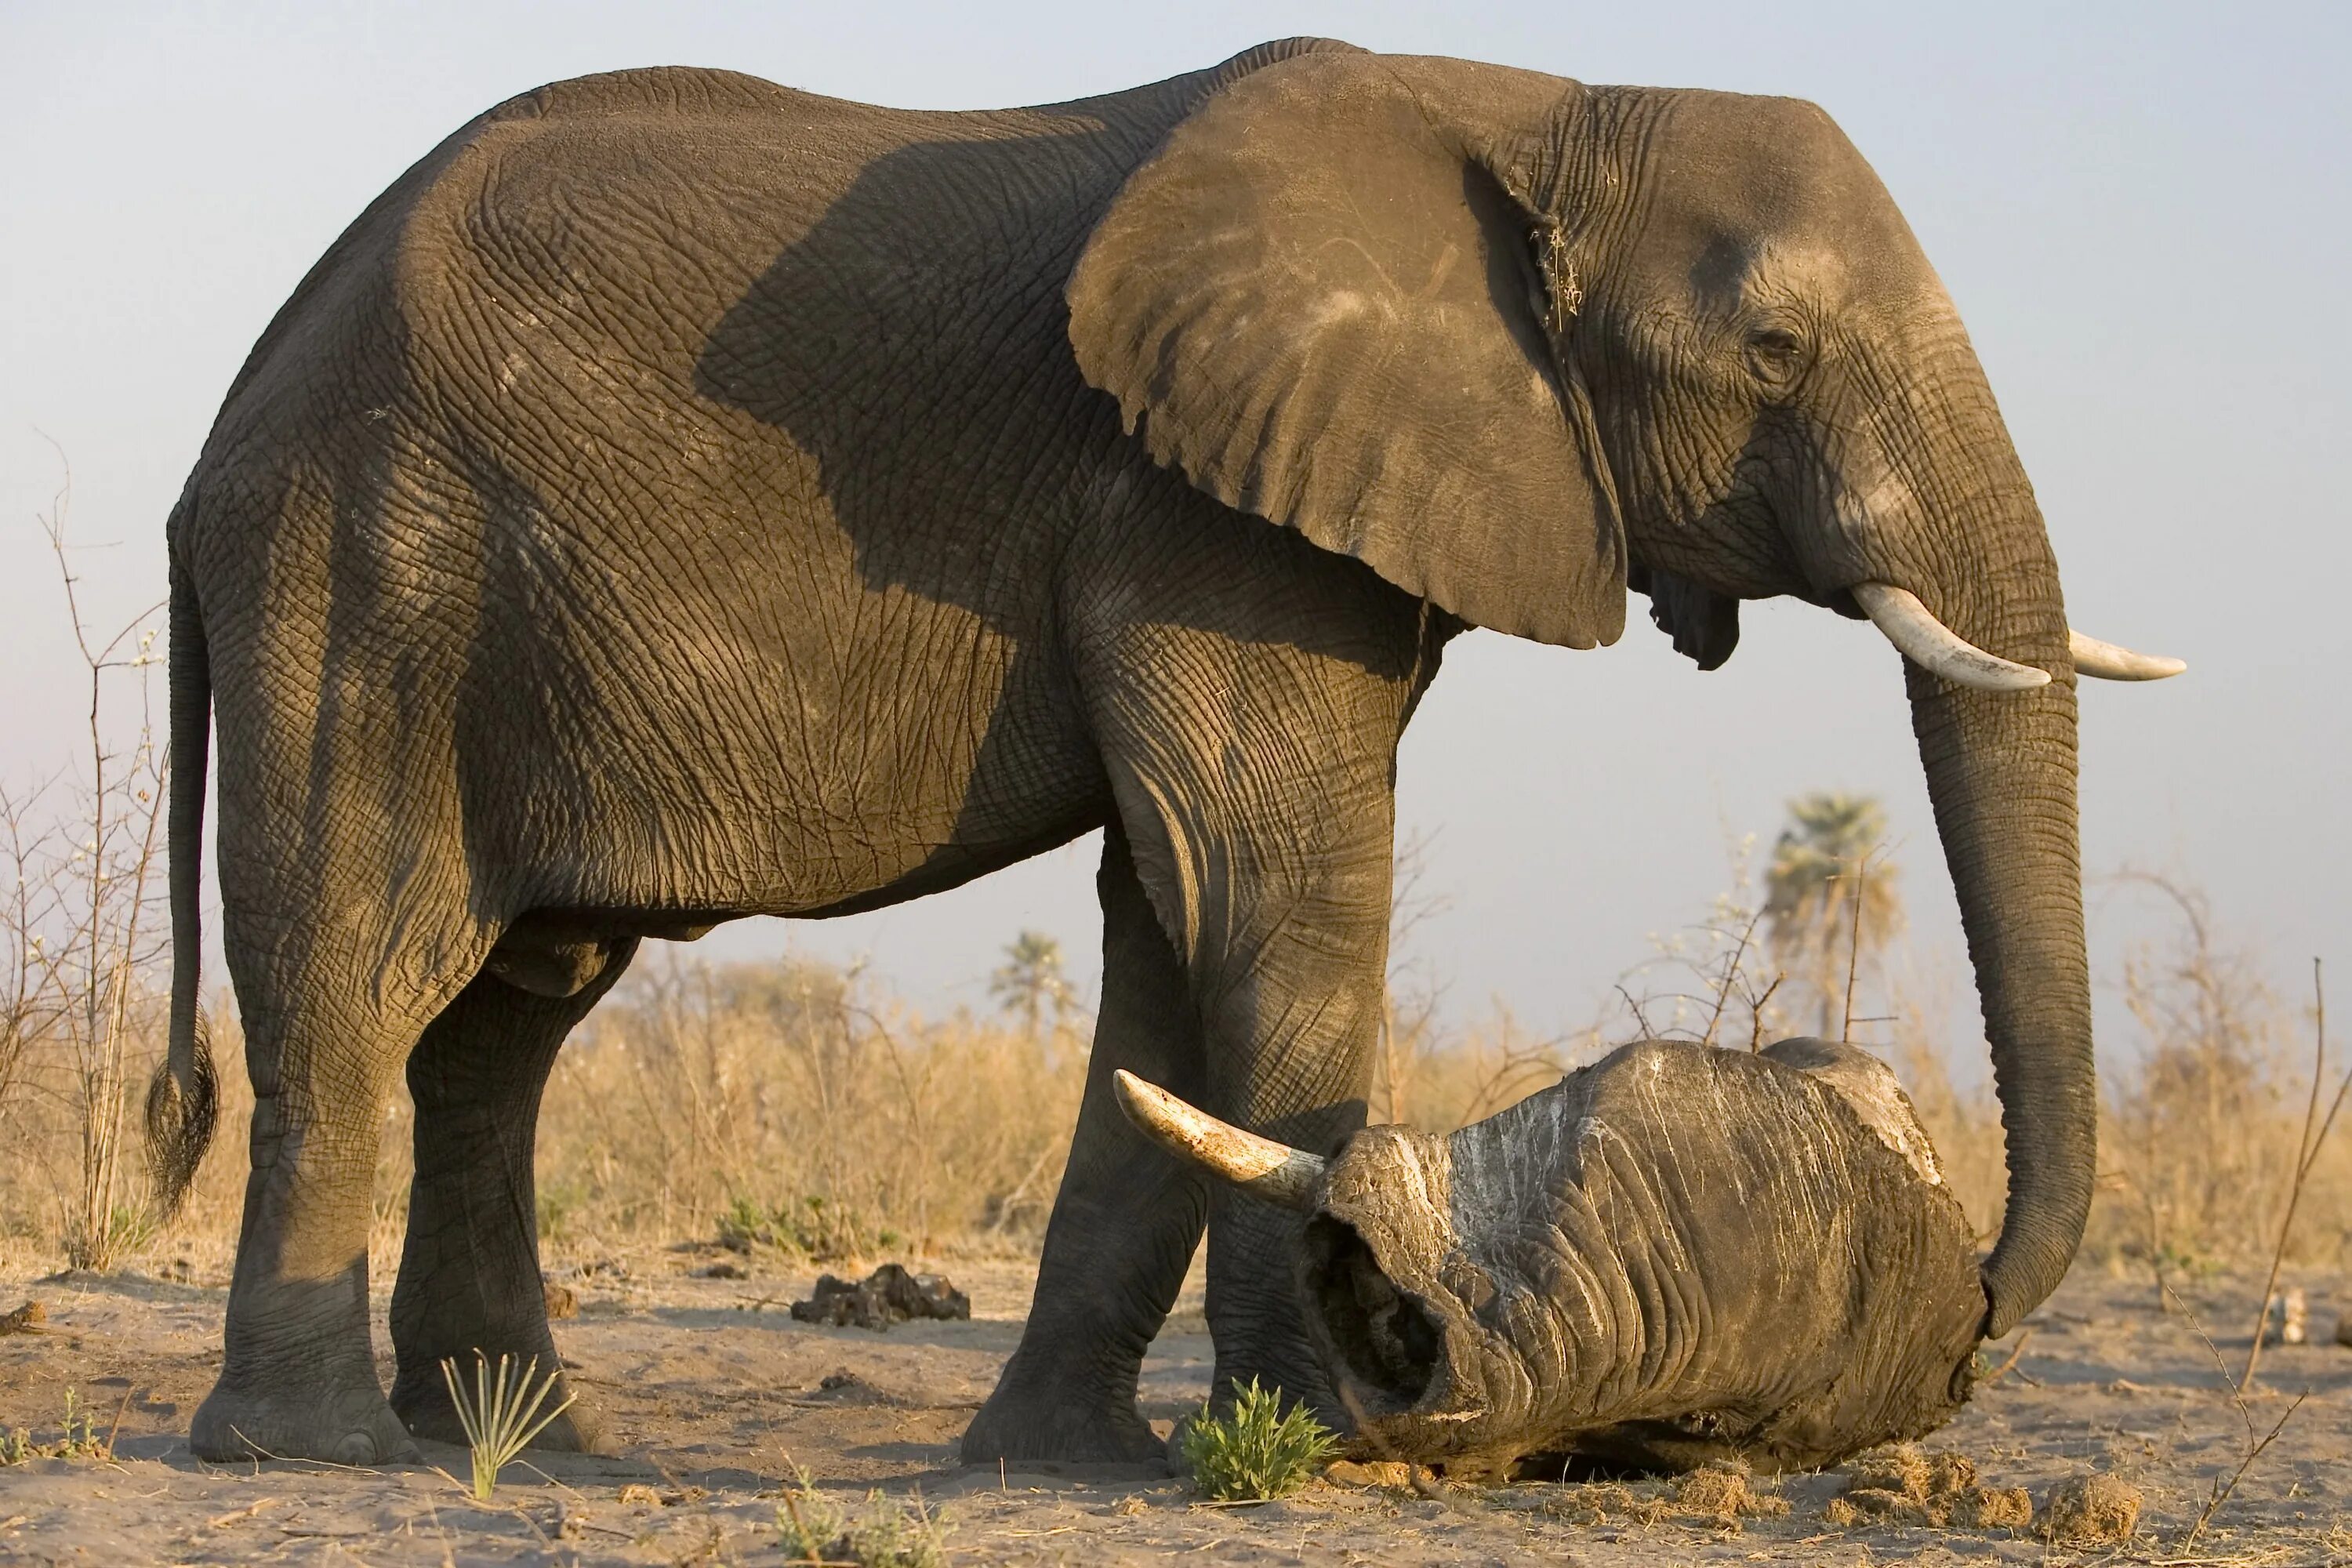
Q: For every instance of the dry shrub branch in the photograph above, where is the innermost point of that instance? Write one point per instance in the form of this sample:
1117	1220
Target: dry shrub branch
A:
2206	1130
2308	1144
80	942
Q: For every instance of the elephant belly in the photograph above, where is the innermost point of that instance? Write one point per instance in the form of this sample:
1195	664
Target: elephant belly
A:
778	774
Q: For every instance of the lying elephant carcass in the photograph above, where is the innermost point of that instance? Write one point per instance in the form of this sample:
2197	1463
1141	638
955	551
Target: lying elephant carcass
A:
1676	1254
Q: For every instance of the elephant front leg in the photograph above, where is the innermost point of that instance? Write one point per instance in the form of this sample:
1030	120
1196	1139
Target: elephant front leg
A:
1293	1006
1254	780
469	1277
1125	1223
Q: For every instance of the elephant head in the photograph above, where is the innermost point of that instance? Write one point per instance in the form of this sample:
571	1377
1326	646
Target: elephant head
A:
1518	343
1677	1254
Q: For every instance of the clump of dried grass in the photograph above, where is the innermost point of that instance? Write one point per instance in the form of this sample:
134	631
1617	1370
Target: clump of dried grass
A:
1724	1493
1903	1485
2091	1511
1717	1496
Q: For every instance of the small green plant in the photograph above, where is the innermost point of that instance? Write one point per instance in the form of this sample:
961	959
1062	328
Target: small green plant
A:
807	1228
809	1521
558	1203
1260	1451
78	1440
891	1534
501	1416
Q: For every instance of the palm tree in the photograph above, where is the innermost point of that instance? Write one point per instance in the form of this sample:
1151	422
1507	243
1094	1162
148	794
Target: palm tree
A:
1030	981
1830	897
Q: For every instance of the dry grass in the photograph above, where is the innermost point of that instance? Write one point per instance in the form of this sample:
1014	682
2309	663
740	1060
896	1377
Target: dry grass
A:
798	1106
795	1105
790	1104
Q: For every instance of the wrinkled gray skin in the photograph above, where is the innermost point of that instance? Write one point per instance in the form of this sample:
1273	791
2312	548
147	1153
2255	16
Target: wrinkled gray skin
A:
1675	1255
680	498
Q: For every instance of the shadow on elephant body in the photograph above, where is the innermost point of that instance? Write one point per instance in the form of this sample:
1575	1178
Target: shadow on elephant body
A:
337	1411
955	441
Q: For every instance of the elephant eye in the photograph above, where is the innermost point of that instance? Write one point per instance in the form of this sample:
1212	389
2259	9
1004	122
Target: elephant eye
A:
1775	355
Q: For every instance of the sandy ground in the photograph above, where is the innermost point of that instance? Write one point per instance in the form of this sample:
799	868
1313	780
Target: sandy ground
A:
718	1393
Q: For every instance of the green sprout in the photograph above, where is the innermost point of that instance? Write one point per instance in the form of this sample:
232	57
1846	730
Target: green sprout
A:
892	1534
80	1439
1260	1451
499	1417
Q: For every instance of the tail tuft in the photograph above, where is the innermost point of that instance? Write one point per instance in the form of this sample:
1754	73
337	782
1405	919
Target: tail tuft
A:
181	1111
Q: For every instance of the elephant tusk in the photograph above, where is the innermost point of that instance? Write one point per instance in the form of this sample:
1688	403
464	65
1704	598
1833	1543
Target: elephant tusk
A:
1934	647
1275	1173
2108	662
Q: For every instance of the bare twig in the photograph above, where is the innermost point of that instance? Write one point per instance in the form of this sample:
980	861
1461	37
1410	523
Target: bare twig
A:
1756	1015
1853	947
2015	1351
2256	1445
2307	1154
2222	1490
1636	1008
1730	976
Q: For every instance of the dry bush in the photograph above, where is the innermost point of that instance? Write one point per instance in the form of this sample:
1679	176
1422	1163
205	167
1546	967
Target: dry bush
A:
1964	1124
797	1104
1437	1076
778	1102
2201	1118
2200	1107
81	943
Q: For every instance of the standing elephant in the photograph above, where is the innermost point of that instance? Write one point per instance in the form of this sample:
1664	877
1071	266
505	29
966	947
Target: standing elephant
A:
680	498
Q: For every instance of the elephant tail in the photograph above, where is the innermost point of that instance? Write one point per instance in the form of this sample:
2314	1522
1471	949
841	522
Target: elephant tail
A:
182	1100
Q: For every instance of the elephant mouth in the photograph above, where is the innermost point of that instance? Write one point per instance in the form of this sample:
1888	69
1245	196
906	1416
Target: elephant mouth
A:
1380	1346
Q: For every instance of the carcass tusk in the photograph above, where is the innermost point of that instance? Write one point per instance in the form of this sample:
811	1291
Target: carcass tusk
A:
2106	661
1934	647
1275	1173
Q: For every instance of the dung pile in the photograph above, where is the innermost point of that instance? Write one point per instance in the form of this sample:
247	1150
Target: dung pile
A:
1723	1493
1904	1486
2091	1511
888	1295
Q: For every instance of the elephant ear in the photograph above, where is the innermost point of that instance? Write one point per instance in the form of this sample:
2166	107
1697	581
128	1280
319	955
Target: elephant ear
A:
1320	300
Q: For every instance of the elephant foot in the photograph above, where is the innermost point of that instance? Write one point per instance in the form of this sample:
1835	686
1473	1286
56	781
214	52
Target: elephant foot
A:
423	1406
341	1425
1011	1427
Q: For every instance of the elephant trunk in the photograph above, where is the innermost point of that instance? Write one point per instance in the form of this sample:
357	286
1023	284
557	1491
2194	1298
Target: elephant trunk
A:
2000	771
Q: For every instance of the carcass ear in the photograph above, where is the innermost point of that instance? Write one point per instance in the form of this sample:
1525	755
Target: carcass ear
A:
1321	301
1871	1090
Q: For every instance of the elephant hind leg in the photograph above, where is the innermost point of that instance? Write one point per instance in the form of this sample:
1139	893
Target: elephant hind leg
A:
469	1277
329	1010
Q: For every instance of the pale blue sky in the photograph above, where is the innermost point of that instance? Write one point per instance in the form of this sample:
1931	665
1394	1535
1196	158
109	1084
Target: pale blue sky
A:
2142	211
